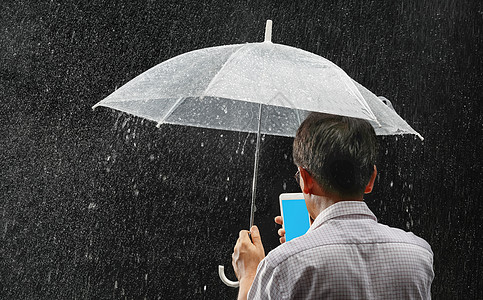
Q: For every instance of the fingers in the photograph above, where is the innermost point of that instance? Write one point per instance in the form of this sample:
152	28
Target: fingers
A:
243	237
243	234
233	262
281	233
245	241
256	238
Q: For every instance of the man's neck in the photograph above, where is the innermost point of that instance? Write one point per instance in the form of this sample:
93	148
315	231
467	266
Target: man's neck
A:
322	202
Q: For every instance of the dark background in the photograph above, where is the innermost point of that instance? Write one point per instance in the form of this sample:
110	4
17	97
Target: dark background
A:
103	205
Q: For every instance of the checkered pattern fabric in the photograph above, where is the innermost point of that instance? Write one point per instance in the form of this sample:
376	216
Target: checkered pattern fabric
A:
346	254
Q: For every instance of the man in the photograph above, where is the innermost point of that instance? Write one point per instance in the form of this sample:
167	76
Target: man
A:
345	254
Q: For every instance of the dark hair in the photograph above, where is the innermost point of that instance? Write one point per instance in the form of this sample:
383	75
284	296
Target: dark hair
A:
339	152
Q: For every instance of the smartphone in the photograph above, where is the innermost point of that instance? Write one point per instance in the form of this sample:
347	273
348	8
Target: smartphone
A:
296	219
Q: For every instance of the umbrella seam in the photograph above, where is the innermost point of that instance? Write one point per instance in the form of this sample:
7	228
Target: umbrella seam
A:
230	58
355	91
175	106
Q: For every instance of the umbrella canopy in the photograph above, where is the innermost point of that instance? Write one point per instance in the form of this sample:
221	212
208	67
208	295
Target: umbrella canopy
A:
222	88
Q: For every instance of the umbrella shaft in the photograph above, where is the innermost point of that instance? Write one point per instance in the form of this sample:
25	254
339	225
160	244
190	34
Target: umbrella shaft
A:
255	168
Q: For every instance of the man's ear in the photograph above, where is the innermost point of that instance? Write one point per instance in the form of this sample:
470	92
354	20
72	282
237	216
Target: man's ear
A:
307	182
370	185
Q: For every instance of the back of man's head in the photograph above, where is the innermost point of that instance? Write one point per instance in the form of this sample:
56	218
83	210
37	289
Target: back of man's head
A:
338	152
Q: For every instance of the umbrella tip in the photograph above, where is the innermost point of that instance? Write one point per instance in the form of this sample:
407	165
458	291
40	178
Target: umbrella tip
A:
268	31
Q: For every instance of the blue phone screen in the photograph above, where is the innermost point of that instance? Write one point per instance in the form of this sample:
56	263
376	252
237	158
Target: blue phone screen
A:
295	218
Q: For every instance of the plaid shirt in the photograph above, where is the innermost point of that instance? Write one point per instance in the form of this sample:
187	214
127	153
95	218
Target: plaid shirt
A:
346	254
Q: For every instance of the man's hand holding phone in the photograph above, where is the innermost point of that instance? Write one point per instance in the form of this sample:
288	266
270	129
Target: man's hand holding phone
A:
281	231
294	218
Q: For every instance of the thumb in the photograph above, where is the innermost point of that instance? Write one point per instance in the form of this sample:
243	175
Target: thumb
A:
255	234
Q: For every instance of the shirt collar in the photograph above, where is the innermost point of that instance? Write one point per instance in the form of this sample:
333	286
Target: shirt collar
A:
342	208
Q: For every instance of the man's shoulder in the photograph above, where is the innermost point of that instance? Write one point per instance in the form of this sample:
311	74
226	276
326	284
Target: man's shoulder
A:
398	235
328	236
293	248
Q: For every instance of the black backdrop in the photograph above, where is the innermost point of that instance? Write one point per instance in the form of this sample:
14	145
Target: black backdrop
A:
100	204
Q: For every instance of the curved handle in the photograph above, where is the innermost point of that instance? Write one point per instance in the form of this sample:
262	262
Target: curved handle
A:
228	282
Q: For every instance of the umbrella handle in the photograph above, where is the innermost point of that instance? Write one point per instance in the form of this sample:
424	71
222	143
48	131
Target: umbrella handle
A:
228	282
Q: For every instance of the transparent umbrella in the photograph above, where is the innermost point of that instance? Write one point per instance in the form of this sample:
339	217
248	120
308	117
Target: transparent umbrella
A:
264	88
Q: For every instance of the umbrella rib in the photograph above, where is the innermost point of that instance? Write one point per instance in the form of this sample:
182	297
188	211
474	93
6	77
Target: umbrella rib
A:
175	106
358	94
212	81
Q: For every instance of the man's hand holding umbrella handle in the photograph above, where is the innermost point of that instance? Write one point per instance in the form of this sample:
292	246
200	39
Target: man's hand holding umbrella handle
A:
247	254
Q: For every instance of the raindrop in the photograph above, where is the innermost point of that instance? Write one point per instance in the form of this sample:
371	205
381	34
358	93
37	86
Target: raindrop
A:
284	186
204	288
391	184
228	178
136	192
202	144
151	157
226	198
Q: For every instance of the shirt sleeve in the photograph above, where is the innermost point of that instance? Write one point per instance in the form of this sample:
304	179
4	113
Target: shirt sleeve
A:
265	285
